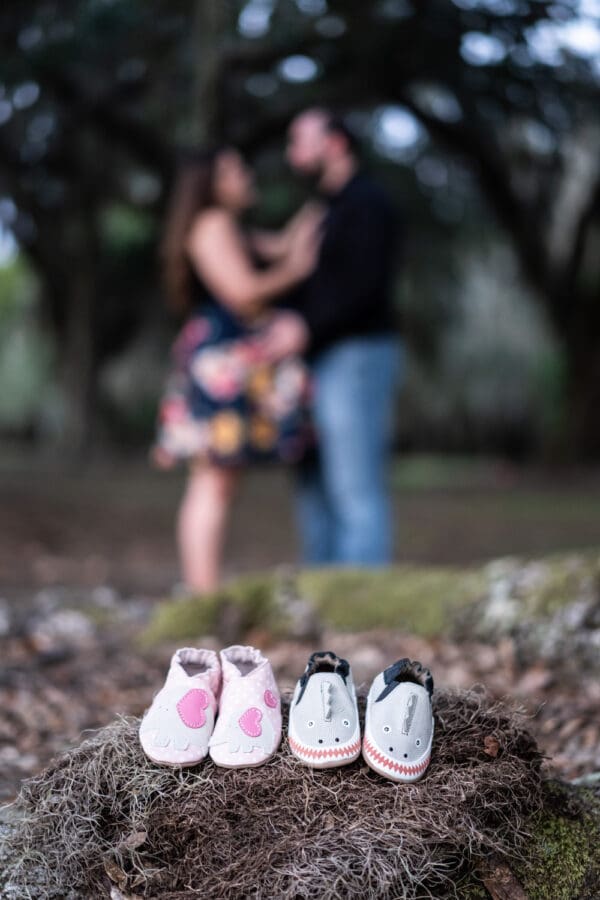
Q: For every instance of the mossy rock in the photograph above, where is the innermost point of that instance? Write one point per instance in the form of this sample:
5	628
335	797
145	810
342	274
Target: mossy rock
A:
423	600
562	859
506	596
534	590
549	607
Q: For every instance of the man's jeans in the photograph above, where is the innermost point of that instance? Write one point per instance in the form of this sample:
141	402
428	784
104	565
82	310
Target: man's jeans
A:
343	500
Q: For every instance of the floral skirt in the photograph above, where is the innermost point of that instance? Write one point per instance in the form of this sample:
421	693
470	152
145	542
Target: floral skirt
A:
226	403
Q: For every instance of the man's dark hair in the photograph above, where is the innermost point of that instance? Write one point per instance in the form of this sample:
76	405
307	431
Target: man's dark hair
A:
338	124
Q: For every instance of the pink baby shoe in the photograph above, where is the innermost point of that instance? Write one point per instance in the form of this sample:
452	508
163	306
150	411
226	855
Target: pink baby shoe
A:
248	730
176	729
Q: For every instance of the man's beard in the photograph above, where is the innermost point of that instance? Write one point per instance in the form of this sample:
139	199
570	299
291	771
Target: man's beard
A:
311	180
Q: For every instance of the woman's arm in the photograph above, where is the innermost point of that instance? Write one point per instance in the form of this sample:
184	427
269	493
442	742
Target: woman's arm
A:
269	245
274	245
221	259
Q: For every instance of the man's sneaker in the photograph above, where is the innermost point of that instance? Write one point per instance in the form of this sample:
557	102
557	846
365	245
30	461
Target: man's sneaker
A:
176	728
248	730
399	722
324	730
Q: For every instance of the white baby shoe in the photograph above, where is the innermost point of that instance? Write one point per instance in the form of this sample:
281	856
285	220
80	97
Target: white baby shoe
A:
176	728
399	722
324	729
248	730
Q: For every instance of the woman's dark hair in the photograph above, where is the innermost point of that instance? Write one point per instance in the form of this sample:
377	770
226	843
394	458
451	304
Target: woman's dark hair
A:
193	191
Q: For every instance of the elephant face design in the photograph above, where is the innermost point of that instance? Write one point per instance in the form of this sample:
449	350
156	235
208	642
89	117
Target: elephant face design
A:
179	720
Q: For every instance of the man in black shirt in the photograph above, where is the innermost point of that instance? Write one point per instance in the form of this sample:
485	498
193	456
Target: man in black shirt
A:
344	324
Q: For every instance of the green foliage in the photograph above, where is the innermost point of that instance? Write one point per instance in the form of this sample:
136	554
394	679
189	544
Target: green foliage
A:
26	351
550	377
125	227
18	288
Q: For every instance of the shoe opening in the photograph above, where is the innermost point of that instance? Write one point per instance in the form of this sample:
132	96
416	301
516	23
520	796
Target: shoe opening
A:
193	662
406	671
323	661
245	659
327	661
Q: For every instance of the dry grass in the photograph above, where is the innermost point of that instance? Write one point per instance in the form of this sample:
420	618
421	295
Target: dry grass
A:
103	811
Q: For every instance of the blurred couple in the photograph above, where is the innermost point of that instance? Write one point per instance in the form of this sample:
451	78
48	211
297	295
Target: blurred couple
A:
288	351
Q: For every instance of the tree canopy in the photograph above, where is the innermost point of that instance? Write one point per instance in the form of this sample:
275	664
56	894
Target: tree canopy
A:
95	97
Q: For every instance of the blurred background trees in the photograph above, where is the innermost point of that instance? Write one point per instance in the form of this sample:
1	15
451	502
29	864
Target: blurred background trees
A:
481	116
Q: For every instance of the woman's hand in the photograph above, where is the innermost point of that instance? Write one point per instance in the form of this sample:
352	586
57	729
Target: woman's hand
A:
276	245
218	252
305	241
287	335
309	216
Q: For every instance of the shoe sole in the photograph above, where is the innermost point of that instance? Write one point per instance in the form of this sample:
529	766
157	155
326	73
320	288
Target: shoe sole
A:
247	765
175	765
327	758
390	768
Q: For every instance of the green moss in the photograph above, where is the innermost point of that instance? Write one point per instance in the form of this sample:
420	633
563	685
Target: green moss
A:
559	872
191	616
181	619
564	863
422	600
416	599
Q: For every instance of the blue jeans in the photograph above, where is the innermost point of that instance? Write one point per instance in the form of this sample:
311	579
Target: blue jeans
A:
343	499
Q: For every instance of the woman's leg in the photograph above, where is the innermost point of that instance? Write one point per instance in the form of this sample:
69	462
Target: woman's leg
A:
202	522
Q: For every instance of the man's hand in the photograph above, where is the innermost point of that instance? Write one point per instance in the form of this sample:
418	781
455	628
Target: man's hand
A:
287	336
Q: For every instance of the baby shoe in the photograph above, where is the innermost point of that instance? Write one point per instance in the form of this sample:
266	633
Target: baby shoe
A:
324	730
248	730
176	728
399	722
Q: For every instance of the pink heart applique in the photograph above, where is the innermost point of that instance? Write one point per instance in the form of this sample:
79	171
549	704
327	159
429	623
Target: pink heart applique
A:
270	699
191	708
249	722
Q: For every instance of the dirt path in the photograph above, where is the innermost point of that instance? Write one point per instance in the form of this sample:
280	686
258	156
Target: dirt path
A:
113	524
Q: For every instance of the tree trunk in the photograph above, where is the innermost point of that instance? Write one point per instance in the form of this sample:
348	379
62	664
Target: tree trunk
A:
211	27
582	434
79	368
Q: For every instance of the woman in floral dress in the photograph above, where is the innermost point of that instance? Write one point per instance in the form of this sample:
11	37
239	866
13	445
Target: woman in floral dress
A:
226	403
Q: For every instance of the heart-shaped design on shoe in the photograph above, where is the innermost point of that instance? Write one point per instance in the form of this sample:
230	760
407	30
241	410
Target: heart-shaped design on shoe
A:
191	708
249	722
270	699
